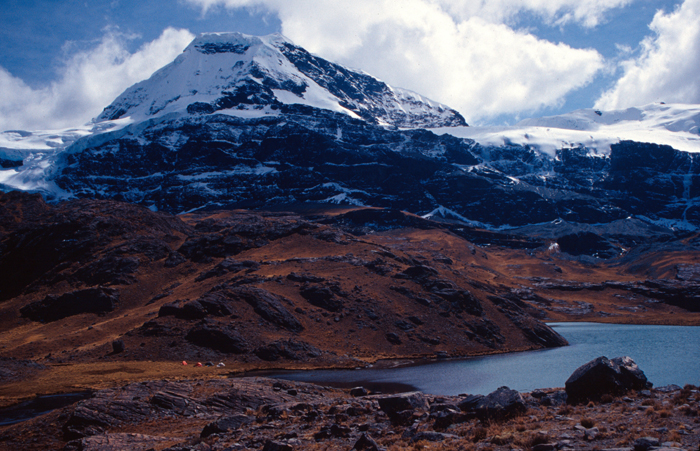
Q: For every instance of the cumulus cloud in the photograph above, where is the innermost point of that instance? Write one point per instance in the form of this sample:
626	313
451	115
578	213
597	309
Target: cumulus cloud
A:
459	52
88	81
587	13
668	66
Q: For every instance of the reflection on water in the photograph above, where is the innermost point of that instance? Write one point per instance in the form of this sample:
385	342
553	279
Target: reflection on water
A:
666	354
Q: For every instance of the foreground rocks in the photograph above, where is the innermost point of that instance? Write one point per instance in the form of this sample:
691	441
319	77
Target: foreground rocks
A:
622	413
602	376
268	414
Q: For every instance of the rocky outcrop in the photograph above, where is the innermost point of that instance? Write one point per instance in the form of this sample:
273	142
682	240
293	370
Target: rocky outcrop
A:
260	413
681	293
290	350
536	331
39	244
440	290
217	337
225	424
53	307
213	303
322	297
269	306
603	376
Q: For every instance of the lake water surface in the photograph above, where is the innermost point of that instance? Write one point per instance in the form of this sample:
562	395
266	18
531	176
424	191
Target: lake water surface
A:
666	354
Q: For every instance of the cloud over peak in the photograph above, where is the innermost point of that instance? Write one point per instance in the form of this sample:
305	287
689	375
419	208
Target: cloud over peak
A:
461	53
88	81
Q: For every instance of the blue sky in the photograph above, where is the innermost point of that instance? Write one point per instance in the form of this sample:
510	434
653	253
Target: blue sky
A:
496	61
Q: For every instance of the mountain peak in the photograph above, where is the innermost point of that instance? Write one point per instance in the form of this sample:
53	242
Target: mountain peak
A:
232	42
251	76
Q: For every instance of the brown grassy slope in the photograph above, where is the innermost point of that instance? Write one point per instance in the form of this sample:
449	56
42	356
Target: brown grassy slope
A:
154	259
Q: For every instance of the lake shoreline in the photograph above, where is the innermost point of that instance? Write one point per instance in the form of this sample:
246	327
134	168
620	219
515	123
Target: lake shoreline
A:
660	350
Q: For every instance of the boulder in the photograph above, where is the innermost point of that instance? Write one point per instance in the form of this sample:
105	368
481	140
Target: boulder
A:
225	424
392	338
631	375
556	398
118	346
192	310
174	259
603	376
358	391
401	406
322	297
499	405
645	443
365	443
417	273
446	418
304	278
216	304
274	445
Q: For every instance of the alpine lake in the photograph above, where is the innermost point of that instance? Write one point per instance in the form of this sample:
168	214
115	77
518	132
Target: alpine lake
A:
666	354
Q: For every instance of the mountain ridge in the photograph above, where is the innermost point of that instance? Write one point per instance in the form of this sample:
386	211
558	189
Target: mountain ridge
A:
238	121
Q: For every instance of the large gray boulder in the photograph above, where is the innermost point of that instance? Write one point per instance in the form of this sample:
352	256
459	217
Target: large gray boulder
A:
603	376
400	407
499	405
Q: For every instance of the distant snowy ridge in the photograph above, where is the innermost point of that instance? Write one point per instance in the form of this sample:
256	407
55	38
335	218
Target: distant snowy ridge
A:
672	117
675	125
240	75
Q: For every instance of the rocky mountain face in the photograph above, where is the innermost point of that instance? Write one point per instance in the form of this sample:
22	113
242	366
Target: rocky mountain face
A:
256	122
243	122
307	154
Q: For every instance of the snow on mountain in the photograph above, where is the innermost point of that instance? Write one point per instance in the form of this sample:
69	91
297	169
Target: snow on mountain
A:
675	125
248	76
238	121
27	158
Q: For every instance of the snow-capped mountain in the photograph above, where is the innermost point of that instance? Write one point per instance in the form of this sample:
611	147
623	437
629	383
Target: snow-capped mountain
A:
247	76
248	122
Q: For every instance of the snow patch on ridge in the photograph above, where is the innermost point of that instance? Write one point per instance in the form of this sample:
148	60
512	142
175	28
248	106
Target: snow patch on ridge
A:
675	125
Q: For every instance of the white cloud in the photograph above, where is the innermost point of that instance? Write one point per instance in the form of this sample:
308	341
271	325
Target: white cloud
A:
89	81
587	13
668	67
458	52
